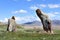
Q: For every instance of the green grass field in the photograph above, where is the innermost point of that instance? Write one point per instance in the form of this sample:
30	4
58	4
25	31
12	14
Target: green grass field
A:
23	35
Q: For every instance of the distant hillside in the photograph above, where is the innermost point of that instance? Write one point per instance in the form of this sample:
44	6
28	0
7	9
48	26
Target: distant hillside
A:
38	23
56	22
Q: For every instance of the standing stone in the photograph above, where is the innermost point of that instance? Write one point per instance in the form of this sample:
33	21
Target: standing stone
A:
46	22
11	24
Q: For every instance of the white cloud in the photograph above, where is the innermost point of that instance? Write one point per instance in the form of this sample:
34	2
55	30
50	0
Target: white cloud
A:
42	5
33	7
50	5
4	20
53	5
56	13
20	11
37	6
25	19
53	15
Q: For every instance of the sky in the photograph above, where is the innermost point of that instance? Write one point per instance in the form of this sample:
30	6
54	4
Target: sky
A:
25	10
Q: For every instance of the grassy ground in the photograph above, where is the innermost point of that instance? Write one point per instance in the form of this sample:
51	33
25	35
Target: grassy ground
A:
27	35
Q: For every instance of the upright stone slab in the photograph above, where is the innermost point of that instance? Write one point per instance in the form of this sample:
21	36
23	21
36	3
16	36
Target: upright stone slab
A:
46	22
11	24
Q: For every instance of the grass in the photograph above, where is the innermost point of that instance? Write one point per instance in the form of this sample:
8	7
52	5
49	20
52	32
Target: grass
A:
25	35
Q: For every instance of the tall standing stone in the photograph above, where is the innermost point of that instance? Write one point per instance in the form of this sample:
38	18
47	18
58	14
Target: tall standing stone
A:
46	22
11	24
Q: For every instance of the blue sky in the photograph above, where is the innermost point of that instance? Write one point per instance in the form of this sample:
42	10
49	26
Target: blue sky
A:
24	10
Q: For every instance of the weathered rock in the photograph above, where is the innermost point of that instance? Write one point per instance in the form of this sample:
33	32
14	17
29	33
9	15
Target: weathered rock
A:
46	22
11	24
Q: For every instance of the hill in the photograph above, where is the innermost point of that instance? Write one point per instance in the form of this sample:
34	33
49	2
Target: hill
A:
38	23
34	23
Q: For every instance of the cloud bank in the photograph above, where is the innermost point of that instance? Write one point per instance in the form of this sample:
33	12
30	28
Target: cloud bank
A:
20	11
